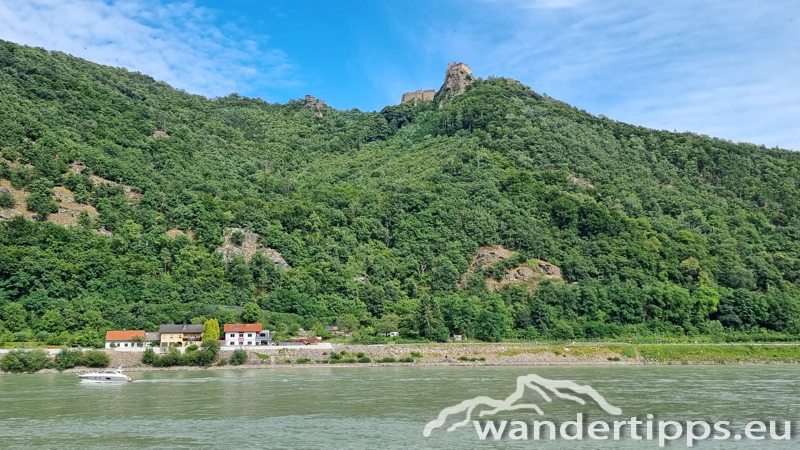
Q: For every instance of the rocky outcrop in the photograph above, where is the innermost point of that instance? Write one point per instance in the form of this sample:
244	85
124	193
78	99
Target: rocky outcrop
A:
316	104
456	80
68	209
248	247
531	274
487	257
424	95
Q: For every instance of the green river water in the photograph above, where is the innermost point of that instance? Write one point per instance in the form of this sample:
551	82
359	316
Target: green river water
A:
374	407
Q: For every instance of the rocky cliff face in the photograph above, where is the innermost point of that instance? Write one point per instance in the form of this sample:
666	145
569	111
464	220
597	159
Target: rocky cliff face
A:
456	80
248	247
316	104
531	273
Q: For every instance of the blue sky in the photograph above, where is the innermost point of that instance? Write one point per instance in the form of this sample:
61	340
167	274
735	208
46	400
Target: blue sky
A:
729	69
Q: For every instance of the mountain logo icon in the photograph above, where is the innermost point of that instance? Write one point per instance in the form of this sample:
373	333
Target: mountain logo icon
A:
544	387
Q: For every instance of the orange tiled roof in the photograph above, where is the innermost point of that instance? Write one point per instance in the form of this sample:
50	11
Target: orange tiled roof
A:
234	327
123	335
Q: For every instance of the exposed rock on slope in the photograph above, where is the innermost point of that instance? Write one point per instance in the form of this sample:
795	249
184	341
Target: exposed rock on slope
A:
68	209
316	104
531	273
456	80
487	257
249	247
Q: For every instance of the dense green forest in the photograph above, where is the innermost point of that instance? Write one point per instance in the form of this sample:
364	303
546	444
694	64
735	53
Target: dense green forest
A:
379	214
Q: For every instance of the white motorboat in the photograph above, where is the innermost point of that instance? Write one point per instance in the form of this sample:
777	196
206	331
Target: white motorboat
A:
106	376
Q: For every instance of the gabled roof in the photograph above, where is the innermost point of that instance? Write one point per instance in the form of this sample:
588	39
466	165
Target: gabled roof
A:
237	327
123	335
181	328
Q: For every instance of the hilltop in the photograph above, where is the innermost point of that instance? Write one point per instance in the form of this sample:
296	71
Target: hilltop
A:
606	229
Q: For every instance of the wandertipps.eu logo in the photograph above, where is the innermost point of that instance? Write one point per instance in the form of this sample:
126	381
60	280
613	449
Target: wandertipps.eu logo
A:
647	429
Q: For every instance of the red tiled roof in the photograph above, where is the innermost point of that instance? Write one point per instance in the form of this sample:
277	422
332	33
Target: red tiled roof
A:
123	335
231	327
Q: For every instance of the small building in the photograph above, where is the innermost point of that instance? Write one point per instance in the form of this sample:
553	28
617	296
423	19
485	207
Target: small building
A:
180	335
394	333
152	337
124	338
242	333
264	338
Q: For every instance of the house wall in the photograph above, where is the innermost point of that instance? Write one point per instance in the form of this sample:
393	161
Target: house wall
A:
123	344
168	339
247	338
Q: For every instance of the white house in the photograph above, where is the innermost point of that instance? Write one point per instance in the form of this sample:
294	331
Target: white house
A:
242	333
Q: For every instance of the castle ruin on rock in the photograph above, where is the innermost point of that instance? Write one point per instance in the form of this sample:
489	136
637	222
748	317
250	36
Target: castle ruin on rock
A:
420	94
456	79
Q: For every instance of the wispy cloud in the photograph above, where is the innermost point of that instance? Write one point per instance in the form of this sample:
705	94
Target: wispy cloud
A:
727	69
176	42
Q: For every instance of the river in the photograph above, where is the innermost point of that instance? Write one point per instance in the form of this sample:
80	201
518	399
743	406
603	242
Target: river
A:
374	407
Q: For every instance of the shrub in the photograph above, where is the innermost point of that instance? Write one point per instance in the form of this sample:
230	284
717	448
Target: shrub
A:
50	365
7	199
364	359
192	348
148	356
416	354
97	358
172	358
222	362
614	358
212	346
68	358
407	359
359	354
629	352
12	363
439	334
467	358
239	356
303	361
388	359
55	339
348	360
237	238
24	361
344	352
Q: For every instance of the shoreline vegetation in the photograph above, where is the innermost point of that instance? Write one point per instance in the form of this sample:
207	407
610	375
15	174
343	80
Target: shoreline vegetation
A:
476	355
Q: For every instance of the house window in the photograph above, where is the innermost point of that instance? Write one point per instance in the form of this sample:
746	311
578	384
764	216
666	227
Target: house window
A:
241	334
126	344
250	343
249	334
231	343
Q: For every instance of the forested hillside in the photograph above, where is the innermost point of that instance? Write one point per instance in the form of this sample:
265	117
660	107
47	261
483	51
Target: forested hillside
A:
379	214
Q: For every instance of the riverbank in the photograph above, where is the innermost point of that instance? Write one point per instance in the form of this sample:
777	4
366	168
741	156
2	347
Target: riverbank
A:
483	355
